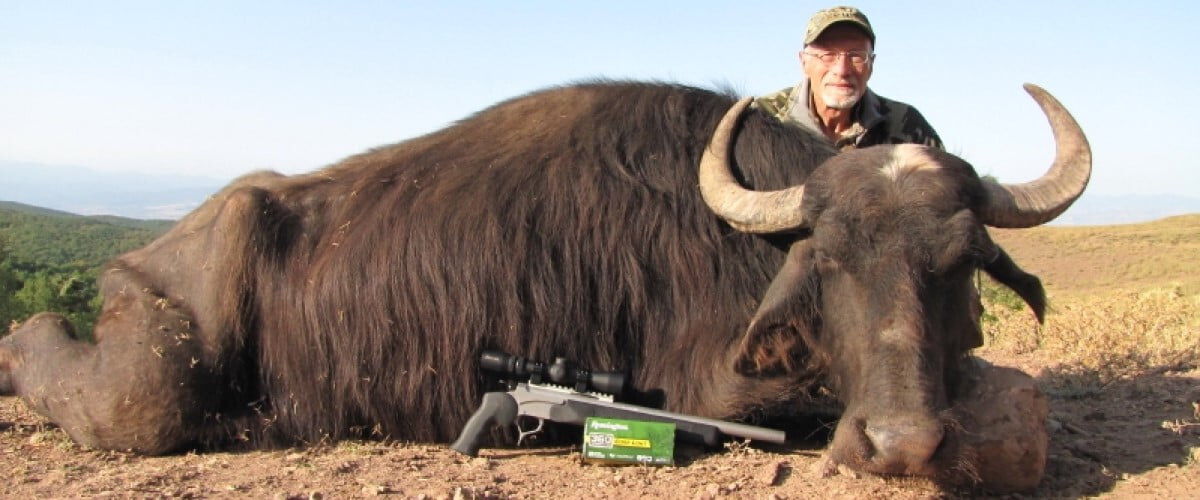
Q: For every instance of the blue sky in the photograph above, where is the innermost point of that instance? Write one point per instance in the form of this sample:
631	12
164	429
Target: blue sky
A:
220	88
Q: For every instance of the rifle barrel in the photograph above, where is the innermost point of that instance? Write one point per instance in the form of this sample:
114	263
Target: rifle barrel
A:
583	405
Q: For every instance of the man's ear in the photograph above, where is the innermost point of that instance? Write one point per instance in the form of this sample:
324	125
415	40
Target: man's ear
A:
776	342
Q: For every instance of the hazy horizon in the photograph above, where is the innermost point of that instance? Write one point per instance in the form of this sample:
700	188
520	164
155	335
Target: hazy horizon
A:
82	191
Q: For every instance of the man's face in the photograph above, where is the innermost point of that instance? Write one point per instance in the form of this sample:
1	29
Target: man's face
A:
840	82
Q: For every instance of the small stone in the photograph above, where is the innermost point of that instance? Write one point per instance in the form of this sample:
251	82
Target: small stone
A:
772	474
823	468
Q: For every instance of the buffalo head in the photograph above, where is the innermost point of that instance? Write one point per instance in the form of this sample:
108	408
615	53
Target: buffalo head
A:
876	294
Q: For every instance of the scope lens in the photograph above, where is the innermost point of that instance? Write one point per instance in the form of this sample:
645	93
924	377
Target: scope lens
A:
496	361
608	382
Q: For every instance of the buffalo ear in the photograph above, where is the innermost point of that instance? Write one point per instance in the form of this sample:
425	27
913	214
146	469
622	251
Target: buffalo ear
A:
776	342
1029	287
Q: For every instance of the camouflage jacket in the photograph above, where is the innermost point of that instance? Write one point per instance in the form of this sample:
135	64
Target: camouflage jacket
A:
878	120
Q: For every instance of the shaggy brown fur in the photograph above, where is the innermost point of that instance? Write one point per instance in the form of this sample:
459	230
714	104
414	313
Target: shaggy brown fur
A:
352	301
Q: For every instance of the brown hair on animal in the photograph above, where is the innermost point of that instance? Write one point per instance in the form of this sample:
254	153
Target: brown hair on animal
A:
560	224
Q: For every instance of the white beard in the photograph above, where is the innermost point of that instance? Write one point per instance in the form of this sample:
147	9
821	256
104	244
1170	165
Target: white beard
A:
840	101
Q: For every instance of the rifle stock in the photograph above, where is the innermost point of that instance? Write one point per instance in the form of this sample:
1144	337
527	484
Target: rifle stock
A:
497	408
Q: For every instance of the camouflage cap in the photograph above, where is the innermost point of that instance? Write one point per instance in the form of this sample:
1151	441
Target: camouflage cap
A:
825	18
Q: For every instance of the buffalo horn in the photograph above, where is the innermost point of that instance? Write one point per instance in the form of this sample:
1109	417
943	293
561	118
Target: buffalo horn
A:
745	210
1040	201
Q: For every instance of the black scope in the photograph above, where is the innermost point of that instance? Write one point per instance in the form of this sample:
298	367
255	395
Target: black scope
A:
559	372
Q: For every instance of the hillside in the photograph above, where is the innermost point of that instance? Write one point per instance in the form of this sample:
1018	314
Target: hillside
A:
49	260
1079	260
157	225
51	238
32	210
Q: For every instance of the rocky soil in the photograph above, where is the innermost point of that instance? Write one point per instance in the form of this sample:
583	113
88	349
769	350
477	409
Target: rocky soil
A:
1137	437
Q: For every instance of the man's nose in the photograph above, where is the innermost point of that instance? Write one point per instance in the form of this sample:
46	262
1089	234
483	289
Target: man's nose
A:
842	64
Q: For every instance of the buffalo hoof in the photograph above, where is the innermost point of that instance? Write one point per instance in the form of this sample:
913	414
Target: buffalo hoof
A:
43	330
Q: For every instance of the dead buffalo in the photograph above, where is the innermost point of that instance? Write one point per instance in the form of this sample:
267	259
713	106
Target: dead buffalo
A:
354	301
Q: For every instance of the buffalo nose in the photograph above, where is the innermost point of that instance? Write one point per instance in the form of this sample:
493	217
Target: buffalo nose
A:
904	446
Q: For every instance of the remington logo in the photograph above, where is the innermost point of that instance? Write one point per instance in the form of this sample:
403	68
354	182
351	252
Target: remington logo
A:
612	426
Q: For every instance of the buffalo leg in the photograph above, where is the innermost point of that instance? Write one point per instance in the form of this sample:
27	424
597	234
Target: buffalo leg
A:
140	389
169	365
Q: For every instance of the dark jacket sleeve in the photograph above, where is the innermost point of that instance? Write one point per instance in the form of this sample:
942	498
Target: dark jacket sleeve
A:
903	124
917	130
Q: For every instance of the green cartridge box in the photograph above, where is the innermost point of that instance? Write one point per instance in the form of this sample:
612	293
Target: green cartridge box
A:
619	441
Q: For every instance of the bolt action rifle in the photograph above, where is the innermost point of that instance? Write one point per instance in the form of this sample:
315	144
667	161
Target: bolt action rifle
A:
560	392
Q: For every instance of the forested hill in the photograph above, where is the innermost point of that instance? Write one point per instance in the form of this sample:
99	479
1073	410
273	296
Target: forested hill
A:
41	237
49	260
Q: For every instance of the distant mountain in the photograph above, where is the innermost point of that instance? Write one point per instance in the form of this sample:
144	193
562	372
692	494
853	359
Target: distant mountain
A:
1094	210
32	210
81	190
158	225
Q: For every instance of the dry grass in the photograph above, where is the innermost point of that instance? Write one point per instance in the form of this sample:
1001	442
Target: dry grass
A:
1096	260
1119	352
1091	341
1124	302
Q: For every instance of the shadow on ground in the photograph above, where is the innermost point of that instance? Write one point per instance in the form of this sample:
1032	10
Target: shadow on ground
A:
1101	432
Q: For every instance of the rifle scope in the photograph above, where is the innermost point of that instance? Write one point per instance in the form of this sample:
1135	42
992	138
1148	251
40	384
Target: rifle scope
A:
561	372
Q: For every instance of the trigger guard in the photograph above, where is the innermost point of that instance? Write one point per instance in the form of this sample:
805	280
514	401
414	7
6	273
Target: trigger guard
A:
521	433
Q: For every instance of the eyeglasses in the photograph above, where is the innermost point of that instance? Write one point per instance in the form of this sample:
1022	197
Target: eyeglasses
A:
858	58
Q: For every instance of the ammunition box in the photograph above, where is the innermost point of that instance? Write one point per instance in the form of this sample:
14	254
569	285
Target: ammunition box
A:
620	441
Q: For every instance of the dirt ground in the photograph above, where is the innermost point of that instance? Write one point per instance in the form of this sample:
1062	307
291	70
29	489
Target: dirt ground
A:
1137	437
